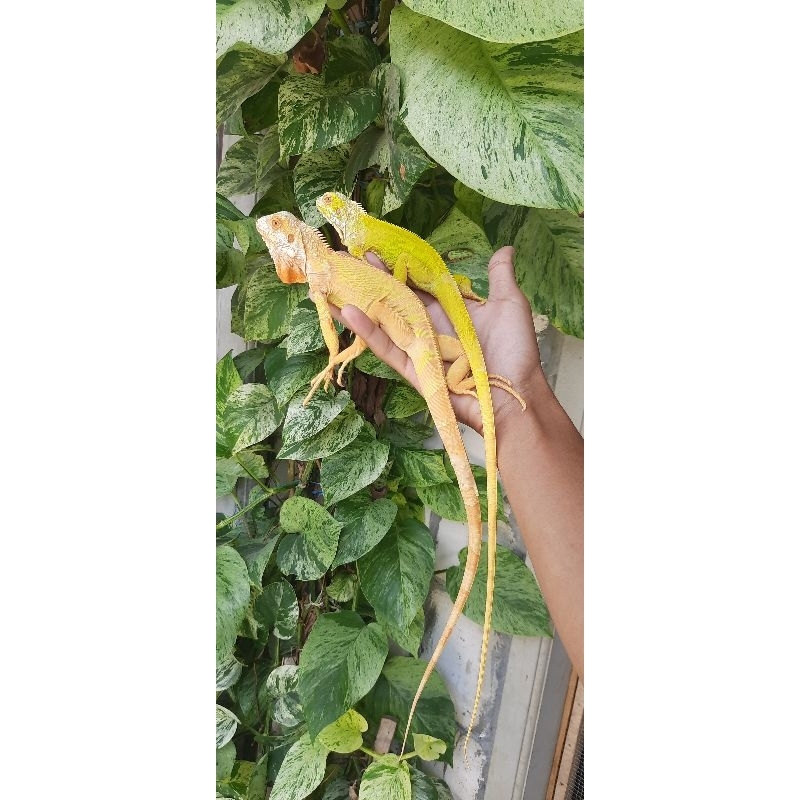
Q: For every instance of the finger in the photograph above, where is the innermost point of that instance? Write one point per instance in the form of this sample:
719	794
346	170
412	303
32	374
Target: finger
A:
380	344
375	261
502	283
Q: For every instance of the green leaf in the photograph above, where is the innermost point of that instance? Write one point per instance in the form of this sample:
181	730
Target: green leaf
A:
305	421
420	468
506	20
248	360
305	335
339	664
266	303
228	672
396	574
293	375
281	686
365	522
233	598
230	260
349	55
227	210
242	72
428	748
251	414
257	788
403	401
519	608
337	789
407	432
256	555
422	787
279	196
308	550
386	778
370	364
315	116
260	111
353	467
228	381
409	637
248	165
316	173
272	26
302	770
463	246
394	693
548	260
445	498
229	470
428	203
342	587
532	152
344	735
443	791
226	756
277	611
334	437
227	723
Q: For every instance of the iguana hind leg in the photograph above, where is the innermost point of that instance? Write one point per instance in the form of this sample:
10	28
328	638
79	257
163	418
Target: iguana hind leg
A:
459	379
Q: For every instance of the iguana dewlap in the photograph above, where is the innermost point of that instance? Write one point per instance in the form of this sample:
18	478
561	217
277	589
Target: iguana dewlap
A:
415	261
301	255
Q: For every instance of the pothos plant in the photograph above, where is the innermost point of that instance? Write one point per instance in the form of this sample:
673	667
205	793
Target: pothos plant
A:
467	129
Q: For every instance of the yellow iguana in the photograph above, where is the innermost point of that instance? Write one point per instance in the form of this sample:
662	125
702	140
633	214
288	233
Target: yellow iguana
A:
413	260
301	255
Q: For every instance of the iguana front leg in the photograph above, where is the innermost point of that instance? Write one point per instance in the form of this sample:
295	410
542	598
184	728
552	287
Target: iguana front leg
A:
320	300
400	271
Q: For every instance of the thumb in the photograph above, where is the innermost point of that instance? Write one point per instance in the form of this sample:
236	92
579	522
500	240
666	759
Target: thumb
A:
502	283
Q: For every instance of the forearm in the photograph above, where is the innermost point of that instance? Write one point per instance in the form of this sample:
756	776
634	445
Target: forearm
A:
540	458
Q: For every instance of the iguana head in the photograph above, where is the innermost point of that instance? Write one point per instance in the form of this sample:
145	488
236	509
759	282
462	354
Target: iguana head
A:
343	214
281	233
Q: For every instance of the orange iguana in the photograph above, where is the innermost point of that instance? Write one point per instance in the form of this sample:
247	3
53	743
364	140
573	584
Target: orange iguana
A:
301	255
415	261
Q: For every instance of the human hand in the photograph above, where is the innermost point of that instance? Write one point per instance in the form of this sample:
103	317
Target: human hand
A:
504	325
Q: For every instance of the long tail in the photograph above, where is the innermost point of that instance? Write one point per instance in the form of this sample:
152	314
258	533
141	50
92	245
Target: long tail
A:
442	412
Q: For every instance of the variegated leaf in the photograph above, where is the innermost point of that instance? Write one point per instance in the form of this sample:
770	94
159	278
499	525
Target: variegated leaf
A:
409	637
349	55
518	608
229	470
463	246
365	522
394	692
302	770
256	553
233	598
315	116
396	574
302	422
272	26
338	788
353	467
339	663
316	173
248	165
228	672
420	468
506	20
548	260
281	686
276	609
228	381
262	308
251	415
305	335
342	587
226	756
227	722
422	787
514	113
308	550
242	72
386	778
294	375
344	735
334	437
428	748
403	401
